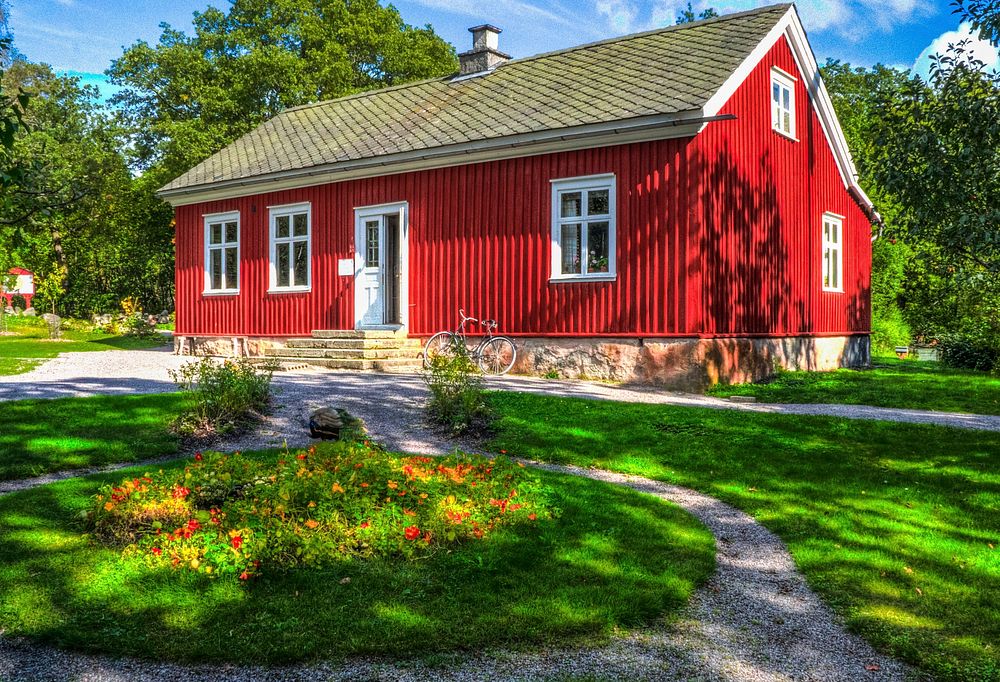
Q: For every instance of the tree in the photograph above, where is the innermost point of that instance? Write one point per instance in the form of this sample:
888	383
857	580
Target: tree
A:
984	15
687	15
189	96
939	155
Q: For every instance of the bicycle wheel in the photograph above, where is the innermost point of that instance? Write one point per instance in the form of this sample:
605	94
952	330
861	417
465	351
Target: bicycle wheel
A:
442	343
497	355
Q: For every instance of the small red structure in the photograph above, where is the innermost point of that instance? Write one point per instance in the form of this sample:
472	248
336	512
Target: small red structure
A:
23	286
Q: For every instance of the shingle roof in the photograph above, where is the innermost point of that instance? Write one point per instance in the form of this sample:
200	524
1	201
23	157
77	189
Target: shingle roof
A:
666	71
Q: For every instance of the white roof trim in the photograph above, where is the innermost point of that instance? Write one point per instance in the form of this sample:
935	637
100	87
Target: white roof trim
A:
791	28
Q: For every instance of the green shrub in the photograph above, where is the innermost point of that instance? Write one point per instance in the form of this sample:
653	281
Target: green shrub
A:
970	351
235	516
889	330
225	395
457	400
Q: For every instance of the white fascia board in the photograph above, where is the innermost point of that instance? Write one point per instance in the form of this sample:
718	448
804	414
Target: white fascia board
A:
791	28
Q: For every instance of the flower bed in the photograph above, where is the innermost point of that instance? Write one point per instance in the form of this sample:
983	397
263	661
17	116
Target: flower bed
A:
230	515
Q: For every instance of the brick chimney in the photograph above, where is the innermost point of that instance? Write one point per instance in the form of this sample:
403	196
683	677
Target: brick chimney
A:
484	54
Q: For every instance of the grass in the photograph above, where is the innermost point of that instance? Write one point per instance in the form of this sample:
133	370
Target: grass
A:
41	436
29	344
613	559
897	526
889	383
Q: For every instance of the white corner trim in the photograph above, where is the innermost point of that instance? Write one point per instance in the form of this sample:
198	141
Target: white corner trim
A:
791	28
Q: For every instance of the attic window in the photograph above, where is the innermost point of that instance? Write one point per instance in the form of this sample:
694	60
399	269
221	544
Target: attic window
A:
783	103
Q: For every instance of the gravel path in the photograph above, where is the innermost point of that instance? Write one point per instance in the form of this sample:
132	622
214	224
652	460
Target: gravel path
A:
122	372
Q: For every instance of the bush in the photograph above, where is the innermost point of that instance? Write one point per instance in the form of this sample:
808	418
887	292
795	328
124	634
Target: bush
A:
457	400
234	516
224	396
889	330
970	351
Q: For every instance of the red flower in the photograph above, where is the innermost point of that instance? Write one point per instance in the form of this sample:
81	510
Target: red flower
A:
237	541
364	525
193	524
411	532
301	455
157	551
180	492
198	457
244	576
532	516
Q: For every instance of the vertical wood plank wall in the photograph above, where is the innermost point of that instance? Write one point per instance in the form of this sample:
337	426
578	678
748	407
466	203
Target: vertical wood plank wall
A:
718	235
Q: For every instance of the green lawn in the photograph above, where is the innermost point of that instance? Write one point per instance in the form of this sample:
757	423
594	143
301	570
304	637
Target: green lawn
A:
897	526
40	436
612	559
889	383
29	345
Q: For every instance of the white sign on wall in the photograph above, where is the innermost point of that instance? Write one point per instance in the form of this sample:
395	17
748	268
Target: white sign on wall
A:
345	267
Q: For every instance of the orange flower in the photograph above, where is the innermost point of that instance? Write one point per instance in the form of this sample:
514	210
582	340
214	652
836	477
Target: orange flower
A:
337	488
393	485
532	516
411	532
312	523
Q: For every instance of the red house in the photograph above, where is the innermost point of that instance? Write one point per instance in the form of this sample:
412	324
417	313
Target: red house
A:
677	206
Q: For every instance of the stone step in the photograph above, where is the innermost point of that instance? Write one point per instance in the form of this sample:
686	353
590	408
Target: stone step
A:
395	343
345	353
358	334
386	365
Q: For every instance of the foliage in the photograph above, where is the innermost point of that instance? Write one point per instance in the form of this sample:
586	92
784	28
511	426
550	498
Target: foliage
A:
895	525
938	154
970	352
44	436
224	395
49	287
889	382
687	15
187	96
227	515
984	15
457	399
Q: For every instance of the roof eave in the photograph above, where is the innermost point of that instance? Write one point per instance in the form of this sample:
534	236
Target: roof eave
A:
662	126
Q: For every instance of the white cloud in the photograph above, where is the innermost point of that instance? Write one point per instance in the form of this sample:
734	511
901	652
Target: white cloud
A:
980	49
619	14
475	8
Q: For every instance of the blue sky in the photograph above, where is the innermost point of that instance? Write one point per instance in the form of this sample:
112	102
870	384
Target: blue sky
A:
83	36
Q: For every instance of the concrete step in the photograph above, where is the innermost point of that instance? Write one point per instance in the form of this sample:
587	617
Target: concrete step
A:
345	353
387	365
394	343
358	334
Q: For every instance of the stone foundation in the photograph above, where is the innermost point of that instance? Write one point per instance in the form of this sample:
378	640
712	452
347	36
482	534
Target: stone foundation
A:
226	346
680	364
687	364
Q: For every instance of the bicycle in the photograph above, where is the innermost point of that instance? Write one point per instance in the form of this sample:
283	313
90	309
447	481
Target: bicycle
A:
493	355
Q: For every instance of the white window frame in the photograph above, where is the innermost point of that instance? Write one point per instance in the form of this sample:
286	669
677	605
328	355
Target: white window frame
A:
606	181
832	246
215	219
786	81
275	212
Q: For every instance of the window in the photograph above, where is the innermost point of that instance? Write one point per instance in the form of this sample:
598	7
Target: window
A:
833	228
290	248
783	103
222	253
371	244
583	228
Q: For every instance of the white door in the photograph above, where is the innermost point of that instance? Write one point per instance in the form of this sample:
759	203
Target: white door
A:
371	276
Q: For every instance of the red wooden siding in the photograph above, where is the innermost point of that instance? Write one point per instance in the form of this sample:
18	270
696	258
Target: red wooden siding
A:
717	235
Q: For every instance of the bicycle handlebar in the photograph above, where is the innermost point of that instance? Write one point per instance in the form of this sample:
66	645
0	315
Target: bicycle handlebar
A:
489	324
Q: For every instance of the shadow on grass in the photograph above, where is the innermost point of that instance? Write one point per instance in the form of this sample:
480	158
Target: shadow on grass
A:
896	525
41	436
613	559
